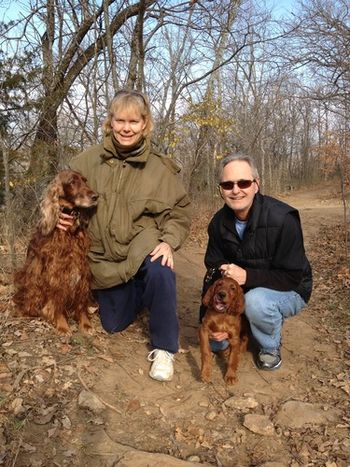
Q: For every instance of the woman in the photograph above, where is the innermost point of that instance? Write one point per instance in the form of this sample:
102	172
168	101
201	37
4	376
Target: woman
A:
142	217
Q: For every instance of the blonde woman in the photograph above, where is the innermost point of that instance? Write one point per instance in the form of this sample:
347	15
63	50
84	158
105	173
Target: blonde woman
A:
143	216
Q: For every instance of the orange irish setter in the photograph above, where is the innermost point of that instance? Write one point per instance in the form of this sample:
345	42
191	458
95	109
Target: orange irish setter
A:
225	306
54	282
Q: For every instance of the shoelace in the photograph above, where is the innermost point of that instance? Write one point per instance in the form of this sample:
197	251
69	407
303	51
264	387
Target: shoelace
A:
156	354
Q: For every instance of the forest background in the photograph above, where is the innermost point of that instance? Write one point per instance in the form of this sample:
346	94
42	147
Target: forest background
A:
221	76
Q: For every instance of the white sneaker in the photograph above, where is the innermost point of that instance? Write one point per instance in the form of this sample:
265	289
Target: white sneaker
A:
162	368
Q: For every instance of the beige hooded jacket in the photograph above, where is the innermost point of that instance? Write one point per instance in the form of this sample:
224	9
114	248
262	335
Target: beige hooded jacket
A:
142	202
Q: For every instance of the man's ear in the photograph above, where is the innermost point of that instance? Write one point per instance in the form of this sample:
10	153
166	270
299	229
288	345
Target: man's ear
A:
257	184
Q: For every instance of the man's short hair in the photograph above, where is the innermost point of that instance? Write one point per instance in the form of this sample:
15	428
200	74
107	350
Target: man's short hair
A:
238	157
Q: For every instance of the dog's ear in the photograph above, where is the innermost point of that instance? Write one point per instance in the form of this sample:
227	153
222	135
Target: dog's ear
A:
240	301
208	296
49	206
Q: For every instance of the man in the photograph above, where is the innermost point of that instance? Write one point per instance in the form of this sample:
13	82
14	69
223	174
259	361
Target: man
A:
257	240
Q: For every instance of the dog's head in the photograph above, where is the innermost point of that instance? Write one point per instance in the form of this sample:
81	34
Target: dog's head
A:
225	296
67	191
74	190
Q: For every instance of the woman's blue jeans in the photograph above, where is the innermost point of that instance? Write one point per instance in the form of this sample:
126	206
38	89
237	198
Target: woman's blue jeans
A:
266	310
154	288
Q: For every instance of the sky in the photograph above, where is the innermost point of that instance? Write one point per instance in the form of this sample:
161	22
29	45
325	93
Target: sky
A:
11	10
281	7
8	10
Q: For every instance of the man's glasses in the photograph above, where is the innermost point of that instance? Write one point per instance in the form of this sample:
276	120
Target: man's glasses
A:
242	184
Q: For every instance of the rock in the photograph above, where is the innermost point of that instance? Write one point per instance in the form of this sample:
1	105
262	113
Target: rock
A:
241	403
296	414
147	459
194	459
259	424
17	405
211	415
87	400
24	354
66	423
45	415
274	464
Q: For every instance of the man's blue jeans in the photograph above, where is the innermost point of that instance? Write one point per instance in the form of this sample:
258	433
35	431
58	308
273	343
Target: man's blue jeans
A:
266	310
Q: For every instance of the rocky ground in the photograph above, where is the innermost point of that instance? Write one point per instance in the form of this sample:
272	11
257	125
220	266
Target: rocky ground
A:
89	401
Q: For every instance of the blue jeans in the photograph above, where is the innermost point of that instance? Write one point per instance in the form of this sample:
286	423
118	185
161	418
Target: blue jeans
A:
154	288
266	310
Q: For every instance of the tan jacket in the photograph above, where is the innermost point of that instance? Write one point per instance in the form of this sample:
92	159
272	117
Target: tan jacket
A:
141	203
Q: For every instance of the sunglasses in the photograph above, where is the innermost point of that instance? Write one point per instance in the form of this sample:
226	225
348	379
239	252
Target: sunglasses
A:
131	93
242	184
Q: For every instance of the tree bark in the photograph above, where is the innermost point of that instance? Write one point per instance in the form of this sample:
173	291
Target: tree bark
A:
58	80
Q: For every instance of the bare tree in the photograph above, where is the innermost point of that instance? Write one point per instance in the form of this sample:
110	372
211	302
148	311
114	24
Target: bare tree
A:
63	62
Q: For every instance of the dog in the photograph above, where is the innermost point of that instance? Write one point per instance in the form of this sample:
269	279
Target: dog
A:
54	282
225	306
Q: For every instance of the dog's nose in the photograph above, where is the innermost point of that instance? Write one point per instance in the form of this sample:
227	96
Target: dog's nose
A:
222	294
94	197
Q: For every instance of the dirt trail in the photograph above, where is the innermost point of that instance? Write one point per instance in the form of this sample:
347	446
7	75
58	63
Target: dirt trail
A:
185	418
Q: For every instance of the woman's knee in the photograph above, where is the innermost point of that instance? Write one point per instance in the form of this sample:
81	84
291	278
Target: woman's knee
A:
116	308
108	327
159	273
111	324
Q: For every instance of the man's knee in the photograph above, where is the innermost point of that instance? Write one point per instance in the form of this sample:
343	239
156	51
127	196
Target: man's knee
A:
254	305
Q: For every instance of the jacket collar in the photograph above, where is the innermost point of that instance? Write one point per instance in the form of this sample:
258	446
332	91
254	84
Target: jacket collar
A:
228	214
138	153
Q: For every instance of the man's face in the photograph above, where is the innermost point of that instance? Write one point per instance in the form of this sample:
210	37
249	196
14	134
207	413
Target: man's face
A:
238	199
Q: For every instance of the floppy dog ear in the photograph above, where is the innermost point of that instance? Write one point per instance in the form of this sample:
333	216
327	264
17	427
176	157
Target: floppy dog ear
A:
49	206
208	296
240	301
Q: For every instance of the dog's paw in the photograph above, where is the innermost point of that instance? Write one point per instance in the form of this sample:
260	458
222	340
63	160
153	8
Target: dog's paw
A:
87	329
230	378
205	376
63	331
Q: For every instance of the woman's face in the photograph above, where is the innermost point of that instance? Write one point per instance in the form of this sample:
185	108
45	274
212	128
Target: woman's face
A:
127	126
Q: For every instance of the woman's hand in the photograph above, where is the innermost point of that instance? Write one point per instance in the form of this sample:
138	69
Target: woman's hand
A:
235	272
64	221
164	250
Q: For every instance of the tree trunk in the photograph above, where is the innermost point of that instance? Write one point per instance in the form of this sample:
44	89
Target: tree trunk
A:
203	179
57	80
136	65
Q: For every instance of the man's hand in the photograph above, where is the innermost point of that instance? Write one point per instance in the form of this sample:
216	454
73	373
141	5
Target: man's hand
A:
164	250
235	272
218	336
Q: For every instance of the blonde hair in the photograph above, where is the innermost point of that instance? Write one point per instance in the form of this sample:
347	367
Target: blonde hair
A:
132	100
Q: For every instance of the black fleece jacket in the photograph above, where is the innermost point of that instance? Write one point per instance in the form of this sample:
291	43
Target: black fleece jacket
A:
271	251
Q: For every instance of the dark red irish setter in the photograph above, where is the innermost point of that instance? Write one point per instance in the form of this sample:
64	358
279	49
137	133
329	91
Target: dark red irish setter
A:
225	306
54	282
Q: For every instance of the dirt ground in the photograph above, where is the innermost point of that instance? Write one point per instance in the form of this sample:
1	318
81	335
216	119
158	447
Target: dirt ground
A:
89	401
